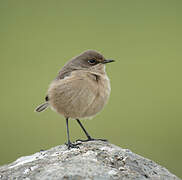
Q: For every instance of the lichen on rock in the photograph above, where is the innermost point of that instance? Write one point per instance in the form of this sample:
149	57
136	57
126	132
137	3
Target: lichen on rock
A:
94	160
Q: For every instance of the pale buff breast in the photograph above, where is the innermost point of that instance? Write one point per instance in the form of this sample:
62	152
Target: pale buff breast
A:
101	97
80	95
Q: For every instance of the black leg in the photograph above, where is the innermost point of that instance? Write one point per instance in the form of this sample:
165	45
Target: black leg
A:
69	144
86	133
89	138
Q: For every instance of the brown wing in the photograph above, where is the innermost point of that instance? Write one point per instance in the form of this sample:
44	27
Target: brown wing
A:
74	93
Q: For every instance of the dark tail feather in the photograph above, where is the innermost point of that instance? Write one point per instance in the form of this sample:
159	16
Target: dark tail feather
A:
42	107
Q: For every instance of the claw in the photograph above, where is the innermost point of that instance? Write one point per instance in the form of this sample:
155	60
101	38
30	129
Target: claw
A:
71	145
90	139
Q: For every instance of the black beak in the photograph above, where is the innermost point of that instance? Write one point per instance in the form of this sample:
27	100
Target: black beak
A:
108	61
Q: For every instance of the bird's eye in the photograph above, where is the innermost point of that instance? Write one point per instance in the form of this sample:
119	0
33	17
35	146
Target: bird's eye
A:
92	61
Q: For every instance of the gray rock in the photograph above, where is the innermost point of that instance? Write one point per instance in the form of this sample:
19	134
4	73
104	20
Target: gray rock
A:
94	160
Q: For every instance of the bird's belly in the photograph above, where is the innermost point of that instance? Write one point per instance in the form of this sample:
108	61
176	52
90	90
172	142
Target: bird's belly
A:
100	99
79	104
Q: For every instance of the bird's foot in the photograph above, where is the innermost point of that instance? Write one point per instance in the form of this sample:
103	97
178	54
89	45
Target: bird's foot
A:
72	145
90	139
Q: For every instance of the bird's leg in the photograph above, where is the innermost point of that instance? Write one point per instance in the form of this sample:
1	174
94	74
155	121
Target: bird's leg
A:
69	144
89	138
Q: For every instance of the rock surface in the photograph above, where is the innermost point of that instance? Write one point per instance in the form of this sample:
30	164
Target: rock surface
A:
91	161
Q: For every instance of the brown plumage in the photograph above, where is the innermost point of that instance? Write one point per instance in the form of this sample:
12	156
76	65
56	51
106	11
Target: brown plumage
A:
80	90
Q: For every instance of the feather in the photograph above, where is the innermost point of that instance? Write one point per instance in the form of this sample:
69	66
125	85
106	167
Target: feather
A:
42	107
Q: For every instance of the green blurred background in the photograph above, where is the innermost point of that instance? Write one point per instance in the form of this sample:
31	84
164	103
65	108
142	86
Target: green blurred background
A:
144	37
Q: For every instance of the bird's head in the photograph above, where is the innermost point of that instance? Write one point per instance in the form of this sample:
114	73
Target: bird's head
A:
91	60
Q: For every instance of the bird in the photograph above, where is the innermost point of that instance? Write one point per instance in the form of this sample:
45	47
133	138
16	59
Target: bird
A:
80	90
